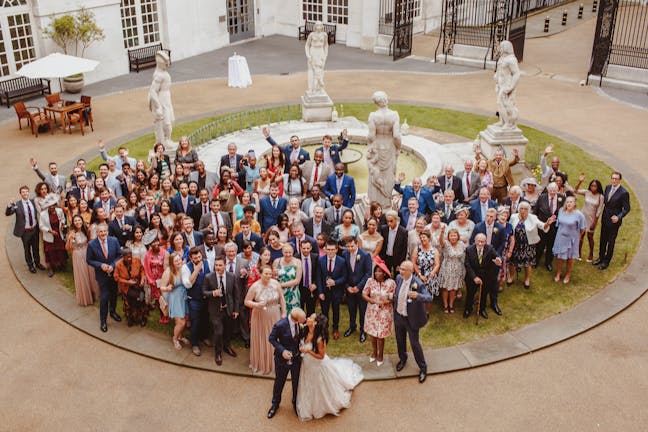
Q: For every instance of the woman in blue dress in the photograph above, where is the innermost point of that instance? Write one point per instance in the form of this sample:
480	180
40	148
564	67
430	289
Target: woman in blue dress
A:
175	295
571	225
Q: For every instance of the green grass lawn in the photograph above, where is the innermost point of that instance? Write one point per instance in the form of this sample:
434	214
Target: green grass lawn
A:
520	306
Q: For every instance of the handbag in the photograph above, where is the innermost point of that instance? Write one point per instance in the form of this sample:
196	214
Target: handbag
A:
136	293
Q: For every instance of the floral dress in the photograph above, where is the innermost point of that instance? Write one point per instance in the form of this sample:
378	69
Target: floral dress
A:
287	273
379	318
452	271
425	263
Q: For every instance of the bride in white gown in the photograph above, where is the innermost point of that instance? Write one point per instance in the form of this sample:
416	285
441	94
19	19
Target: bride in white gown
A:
325	384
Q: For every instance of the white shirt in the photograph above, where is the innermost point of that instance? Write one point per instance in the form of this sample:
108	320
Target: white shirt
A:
391	239
210	256
27	205
317	228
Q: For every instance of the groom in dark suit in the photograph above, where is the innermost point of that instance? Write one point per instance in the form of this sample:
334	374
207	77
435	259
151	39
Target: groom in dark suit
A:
331	283
617	205
482	267
284	337
409	316
102	254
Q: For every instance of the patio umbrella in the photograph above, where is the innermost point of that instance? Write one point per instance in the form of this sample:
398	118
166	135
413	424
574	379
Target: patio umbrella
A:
57	65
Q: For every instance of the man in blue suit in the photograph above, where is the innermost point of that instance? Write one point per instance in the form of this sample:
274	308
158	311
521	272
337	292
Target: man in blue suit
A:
105	201
121	227
271	207
416	190
190	235
299	237
341	184
183	202
293	152
284	337
409	316
193	276
246	234
358	271
331	283
102	254
331	152
479	206
409	215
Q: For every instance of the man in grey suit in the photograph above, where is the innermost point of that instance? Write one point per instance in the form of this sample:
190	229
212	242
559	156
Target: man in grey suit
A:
239	267
470	181
215	219
205	179
316	171
333	214
55	181
315	200
26	228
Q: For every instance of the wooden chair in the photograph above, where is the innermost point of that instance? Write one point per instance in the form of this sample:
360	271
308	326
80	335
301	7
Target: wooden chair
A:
23	112
40	118
77	118
87	101
53	99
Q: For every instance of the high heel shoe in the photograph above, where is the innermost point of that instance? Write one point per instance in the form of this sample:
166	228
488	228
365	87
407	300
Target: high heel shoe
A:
177	345
372	359
379	363
557	278
566	280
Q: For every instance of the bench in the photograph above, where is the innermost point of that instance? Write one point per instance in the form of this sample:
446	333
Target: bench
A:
15	88
309	27
144	56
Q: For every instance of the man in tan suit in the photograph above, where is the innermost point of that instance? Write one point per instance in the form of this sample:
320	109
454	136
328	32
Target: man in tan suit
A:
501	170
316	171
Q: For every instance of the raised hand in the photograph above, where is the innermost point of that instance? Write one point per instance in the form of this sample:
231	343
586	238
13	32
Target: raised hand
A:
401	177
101	144
33	162
516	153
266	131
548	150
581	177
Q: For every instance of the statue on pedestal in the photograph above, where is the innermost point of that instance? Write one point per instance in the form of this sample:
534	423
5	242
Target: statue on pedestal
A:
383	147
159	99
506	78
316	52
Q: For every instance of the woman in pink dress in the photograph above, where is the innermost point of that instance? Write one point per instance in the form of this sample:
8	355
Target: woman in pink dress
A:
154	268
379	317
85	284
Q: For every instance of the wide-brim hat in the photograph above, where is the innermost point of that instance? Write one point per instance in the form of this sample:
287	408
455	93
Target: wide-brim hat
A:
149	237
383	266
528	181
462	207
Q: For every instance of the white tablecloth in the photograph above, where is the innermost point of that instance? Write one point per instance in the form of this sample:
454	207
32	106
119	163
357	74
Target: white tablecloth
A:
238	73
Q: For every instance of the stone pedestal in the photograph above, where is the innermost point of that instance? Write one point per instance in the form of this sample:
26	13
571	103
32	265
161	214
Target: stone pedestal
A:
317	108
509	138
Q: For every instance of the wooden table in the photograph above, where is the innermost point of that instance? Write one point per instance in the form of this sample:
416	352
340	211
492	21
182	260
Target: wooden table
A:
63	110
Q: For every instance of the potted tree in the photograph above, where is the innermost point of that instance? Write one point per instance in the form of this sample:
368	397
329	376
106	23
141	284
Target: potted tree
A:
71	33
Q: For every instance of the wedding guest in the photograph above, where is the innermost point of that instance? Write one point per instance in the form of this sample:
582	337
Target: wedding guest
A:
447	207
347	228
308	286
160	162
85	211
266	299
26	227
394	248
485	176
136	245
185	156
479	206
85	285
175	295
501	169
321	243
275	161
271	207
216	219
376	212
592	210
315	199
452	271
507	270
294	184
340	184
154	269
370	240
530	191
289	275
70	207
249	212
245	200
193	276
255	269
294	213
274	245
358	271
413	237
426	262
178	245
227	191
318	224
161	231
240	268
250	170
462	223
571	226
482	267
436	227
548	205
44	197
282	228
331	282
52	224
130	276
379	317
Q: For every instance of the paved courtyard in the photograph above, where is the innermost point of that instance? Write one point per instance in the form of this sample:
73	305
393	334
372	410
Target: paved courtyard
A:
57	378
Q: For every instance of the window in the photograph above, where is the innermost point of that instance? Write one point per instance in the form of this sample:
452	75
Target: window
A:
327	11
4	62
12	3
140	22
22	42
16	36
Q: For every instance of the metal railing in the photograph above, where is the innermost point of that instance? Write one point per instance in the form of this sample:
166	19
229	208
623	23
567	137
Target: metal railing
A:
630	38
244	120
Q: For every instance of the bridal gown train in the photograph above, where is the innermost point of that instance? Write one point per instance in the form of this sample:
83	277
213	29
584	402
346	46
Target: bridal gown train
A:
325	385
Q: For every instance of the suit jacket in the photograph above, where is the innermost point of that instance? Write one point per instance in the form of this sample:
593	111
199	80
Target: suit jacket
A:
206	221
616	205
475	209
497	237
314	259
405	215
308	169
456	186
75	191
329	215
120	234
224	162
503	170
362	272
176	204
19	211
281	339
310	239
95	258
308	201
197	212
334	150
49	179
543	209
441	207
400	244
327	228
338	274
198	237
425	199
475	184
287	150
90	175
211	179
142	218
416	314
507	202
100	203
268	215
347	189
241	281
256	239
487	271
232	294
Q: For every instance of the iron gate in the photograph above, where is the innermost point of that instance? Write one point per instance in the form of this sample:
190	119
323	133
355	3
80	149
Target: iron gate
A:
621	36
483	23
240	19
403	28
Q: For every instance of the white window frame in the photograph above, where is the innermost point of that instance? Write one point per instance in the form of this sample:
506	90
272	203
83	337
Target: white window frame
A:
318	10
13	8
142	37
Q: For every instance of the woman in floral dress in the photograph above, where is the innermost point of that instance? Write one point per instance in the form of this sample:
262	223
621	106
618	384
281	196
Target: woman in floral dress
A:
379	317
289	273
426	263
453	271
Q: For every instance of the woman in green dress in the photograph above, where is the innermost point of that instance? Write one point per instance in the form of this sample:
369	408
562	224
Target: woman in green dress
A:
288	272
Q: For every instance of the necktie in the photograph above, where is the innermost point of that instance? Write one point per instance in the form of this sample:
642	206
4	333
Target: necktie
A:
104	248
222	286
148	214
121	223
468	183
306	272
489	233
30	215
83	196
184	205
551	205
514	207
353	262
231	267
416	194
274	203
216	222
296	331
298	245
402	300
479	256
337	216
330	266
448	184
204	208
447	212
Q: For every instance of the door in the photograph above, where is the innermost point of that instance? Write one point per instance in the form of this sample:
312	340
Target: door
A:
403	28
240	19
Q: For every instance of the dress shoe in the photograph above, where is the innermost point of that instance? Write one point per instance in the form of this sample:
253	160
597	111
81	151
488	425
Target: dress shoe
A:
466	313
422	376
272	411
143	322
497	310
230	351
363	337
549	267
336	334
379	363
348	332
400	365
207	342
115	316
527	285
196	350
483	314
603	266
50	272
104	327
32	269
218	359
40	266
247	344
597	262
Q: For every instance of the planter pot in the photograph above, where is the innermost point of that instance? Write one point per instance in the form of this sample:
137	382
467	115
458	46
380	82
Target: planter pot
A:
73	84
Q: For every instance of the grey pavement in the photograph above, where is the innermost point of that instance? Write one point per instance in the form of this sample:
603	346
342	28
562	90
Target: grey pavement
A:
535	21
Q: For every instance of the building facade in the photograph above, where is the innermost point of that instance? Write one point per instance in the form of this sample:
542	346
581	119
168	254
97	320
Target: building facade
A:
191	27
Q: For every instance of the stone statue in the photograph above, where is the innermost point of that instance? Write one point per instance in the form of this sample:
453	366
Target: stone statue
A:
383	147
316	52
159	99
506	78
